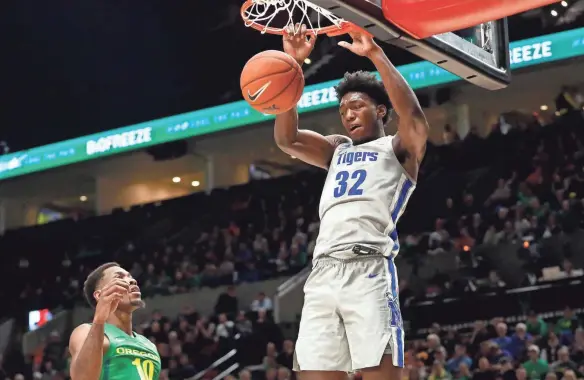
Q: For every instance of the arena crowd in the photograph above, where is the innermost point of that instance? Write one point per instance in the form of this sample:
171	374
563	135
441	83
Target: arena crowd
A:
523	183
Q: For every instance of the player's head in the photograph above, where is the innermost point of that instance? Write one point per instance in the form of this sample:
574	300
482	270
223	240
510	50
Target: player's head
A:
364	106
103	275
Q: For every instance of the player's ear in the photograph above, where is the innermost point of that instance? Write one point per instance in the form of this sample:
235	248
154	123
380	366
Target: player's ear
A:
97	294
381	111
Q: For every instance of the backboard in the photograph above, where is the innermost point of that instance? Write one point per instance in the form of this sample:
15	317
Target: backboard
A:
478	54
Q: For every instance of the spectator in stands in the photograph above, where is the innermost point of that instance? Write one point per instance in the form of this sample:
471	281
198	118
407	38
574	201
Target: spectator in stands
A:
519	340
433	345
262	302
564	362
535	367
438	240
227	302
224	332
460	357
243	325
568	323
286	357
284	373
577	350
438	372
550	347
485	371
463	372
502	340
494	281
536	325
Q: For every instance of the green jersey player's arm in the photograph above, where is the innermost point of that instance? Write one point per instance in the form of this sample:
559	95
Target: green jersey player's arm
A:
308	146
87	346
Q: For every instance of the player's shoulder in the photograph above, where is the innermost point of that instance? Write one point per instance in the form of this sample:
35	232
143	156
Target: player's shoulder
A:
81	330
80	333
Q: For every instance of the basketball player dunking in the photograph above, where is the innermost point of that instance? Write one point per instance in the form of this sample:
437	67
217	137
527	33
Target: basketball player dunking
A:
108	349
351	318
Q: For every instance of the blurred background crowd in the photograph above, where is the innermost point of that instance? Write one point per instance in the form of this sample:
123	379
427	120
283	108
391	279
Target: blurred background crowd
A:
519	190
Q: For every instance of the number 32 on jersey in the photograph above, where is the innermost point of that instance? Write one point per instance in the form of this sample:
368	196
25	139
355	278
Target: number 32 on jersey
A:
349	183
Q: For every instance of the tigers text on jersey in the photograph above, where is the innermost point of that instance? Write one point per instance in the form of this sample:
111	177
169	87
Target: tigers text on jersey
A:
365	193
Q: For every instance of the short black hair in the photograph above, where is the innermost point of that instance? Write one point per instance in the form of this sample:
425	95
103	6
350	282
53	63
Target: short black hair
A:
93	279
367	83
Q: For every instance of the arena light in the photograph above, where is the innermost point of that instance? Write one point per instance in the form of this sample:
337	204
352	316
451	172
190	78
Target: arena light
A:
176	179
308	61
554	13
195	183
543	107
564	4
83	198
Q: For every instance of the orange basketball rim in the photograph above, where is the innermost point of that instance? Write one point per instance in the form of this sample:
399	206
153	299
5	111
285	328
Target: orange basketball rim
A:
260	15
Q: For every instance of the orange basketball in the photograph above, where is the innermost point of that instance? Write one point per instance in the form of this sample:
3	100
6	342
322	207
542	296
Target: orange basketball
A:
272	82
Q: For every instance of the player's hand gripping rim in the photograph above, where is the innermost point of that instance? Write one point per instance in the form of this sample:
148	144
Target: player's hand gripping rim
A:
298	42
109	299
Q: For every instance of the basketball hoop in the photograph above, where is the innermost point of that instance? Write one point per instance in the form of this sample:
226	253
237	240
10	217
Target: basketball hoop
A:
263	15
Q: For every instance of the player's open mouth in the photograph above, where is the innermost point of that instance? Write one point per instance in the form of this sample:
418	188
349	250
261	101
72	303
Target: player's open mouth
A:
135	291
354	127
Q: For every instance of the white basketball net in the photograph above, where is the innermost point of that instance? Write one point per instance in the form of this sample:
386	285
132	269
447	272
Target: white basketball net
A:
263	12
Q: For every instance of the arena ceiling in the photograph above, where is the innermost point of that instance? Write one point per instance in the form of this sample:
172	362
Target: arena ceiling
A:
74	68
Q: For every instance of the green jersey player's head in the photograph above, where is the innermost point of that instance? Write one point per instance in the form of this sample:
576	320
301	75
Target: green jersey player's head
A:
364	106
105	274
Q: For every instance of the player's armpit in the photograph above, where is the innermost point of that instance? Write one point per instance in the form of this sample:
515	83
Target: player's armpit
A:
87	345
308	146
413	135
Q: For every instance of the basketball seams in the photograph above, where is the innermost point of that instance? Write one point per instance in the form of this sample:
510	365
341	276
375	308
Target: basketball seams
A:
270	74
282	96
284	88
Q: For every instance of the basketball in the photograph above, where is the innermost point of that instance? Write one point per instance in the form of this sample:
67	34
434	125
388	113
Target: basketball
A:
272	82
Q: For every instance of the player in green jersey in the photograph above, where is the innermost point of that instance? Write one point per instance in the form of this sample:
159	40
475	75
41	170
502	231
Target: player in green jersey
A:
108	349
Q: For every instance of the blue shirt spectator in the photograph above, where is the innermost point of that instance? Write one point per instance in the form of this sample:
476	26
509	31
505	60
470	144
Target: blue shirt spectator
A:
502	340
459	357
519	340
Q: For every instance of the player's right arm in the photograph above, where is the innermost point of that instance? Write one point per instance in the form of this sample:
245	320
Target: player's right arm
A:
87	346
308	146
88	343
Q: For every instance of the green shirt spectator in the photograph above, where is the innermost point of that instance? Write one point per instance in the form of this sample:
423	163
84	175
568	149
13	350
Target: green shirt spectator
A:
535	325
535	367
568	323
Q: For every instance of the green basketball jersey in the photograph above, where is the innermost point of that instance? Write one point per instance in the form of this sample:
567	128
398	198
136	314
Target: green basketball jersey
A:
129	357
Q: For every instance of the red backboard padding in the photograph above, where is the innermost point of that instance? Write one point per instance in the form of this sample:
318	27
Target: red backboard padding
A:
425	18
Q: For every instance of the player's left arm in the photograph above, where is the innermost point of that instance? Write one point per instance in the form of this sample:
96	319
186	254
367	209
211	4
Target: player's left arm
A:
412	125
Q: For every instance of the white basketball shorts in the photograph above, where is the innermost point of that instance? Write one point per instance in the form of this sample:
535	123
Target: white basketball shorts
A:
351	315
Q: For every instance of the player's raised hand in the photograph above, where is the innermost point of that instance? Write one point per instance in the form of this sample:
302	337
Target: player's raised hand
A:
363	44
298	43
109	298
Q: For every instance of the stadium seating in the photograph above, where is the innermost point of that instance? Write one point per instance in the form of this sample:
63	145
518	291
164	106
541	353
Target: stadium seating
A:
492	232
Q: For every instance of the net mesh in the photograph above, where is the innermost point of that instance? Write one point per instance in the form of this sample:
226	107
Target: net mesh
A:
268	15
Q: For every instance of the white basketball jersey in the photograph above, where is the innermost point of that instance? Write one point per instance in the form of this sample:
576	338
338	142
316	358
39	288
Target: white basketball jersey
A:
365	193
